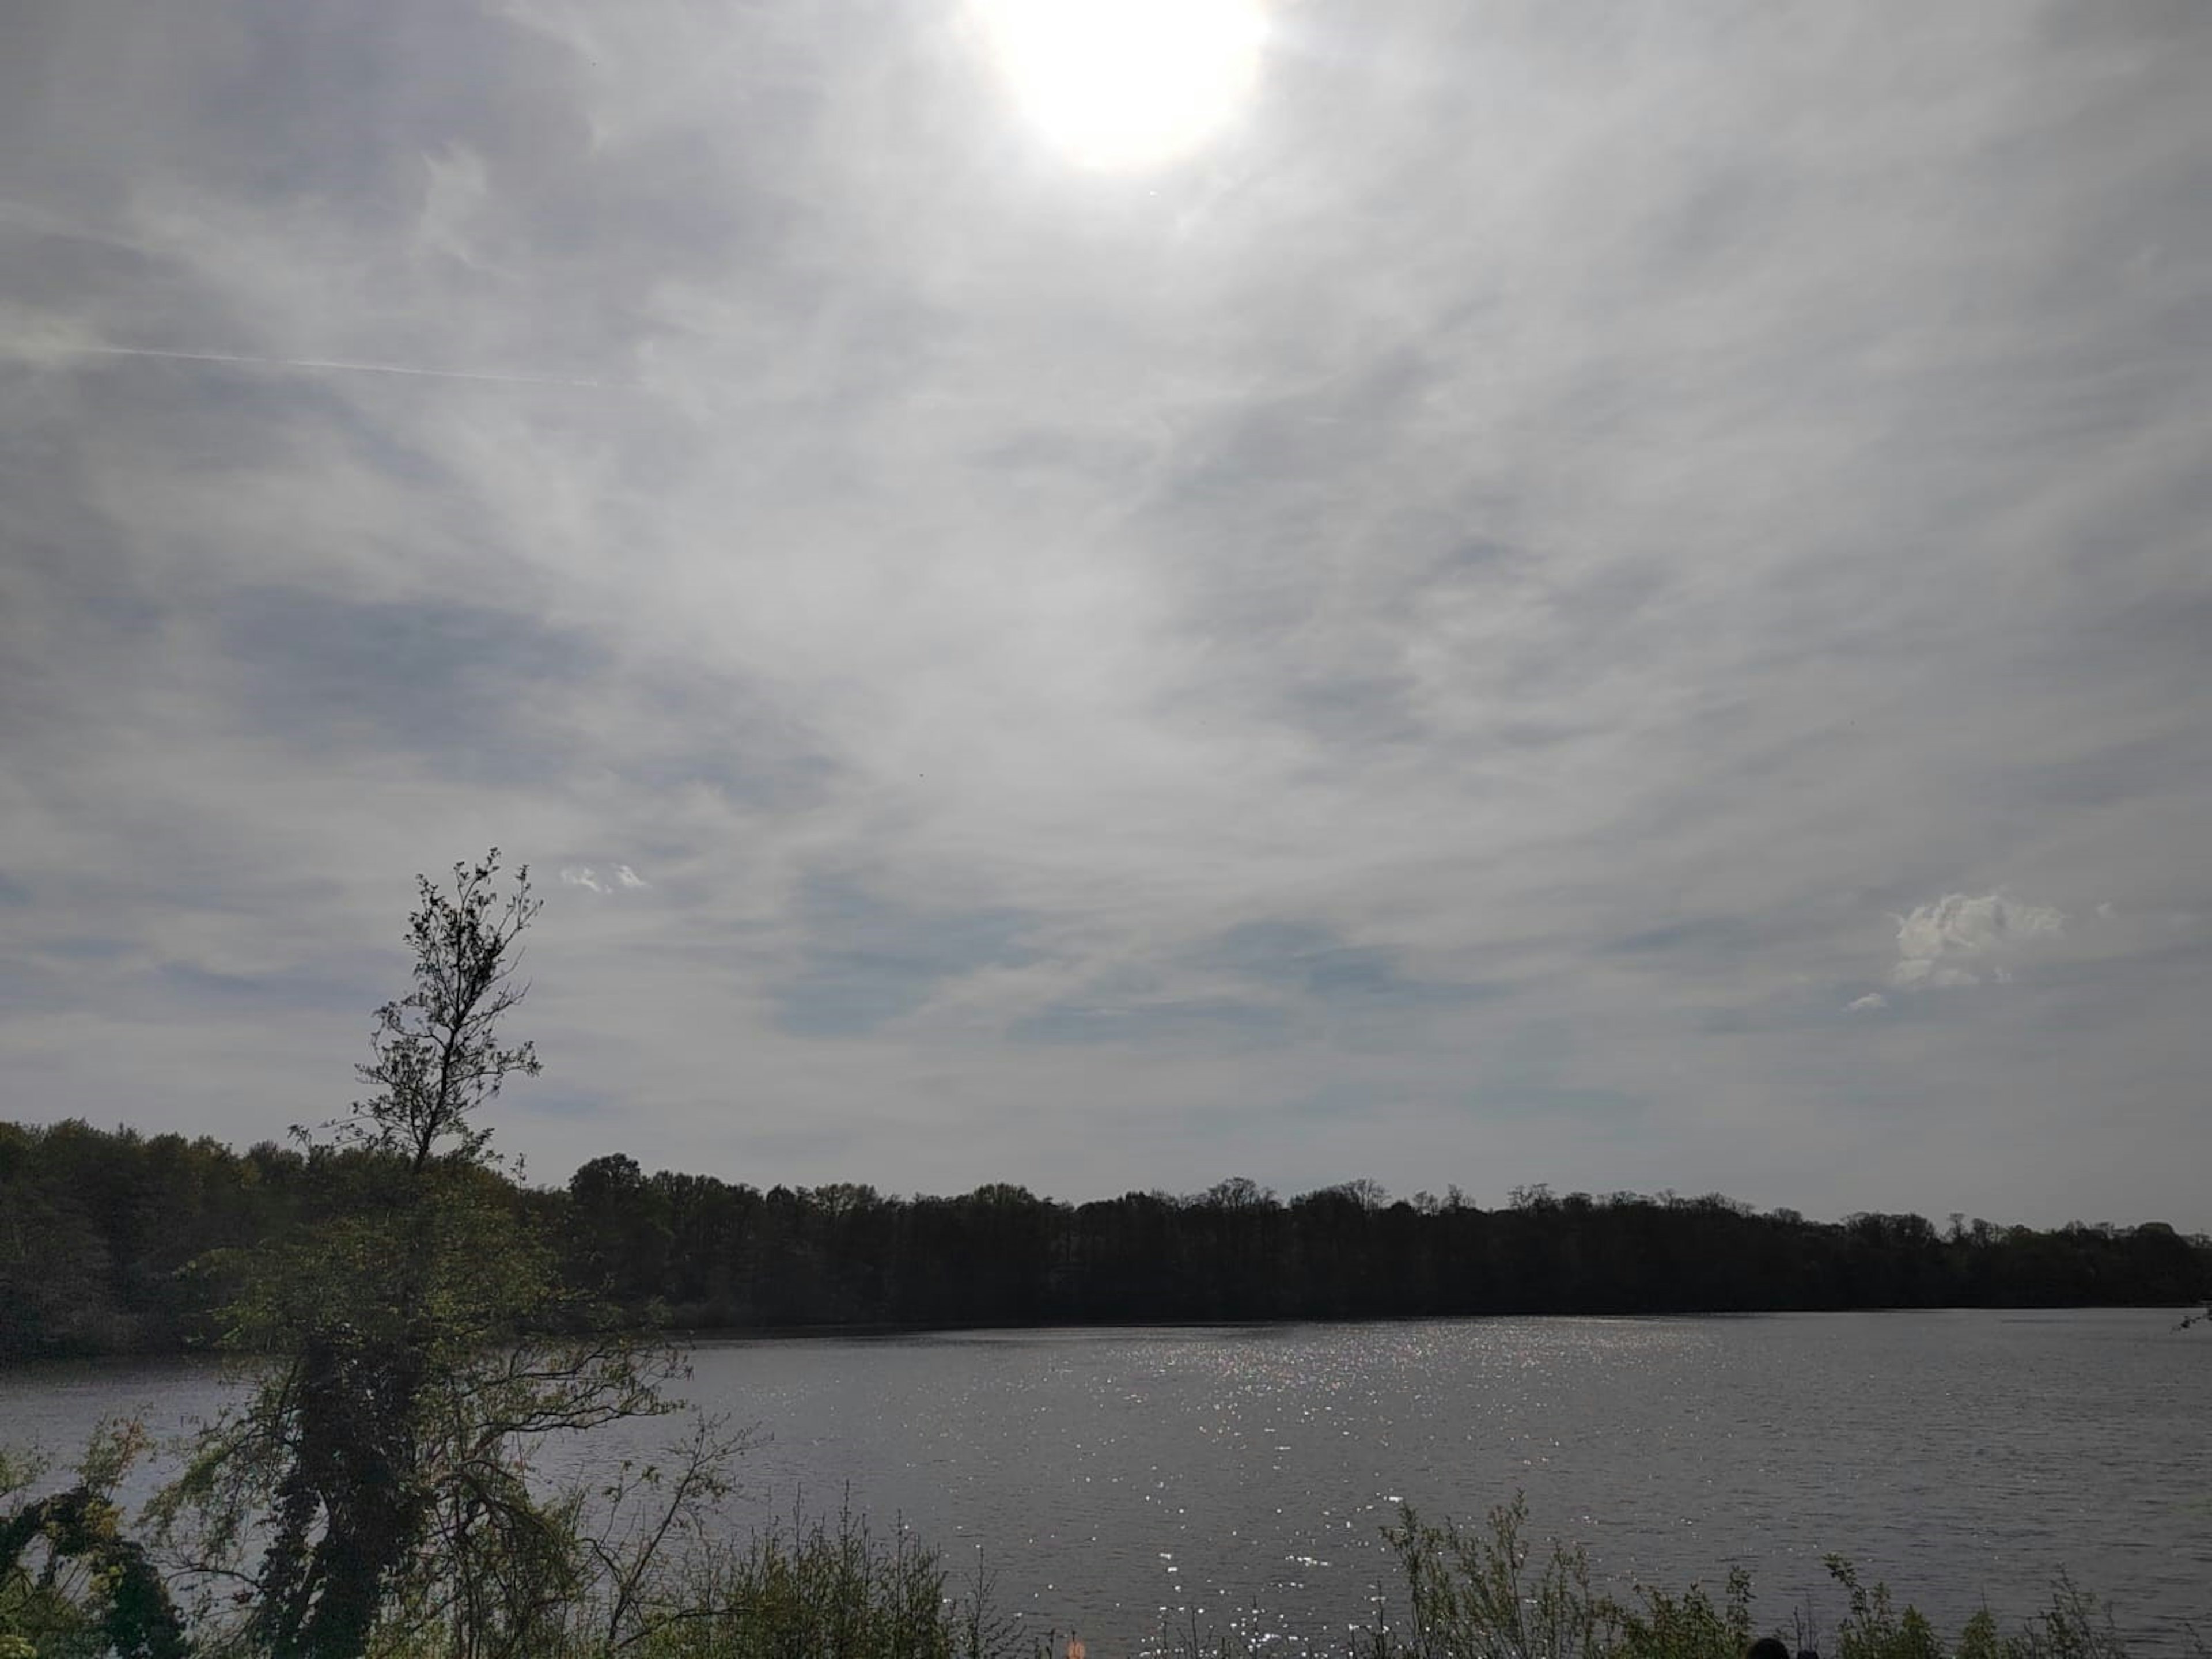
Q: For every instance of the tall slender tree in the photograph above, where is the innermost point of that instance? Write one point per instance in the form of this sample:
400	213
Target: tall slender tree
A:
422	1341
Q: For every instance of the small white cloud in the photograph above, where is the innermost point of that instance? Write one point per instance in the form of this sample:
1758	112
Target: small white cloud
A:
1871	1002
622	878
2105	909
1920	972
1933	939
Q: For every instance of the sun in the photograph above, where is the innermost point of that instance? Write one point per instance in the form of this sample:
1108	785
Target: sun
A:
1126	83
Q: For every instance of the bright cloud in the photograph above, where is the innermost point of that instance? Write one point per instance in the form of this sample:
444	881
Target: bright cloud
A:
1935	940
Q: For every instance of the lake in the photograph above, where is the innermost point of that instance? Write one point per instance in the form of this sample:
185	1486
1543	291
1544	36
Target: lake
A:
1117	1478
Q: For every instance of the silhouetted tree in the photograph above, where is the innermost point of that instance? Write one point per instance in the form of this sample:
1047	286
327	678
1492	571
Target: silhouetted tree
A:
380	1461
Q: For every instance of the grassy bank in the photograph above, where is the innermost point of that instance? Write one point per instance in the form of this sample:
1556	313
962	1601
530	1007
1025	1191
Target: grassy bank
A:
835	1588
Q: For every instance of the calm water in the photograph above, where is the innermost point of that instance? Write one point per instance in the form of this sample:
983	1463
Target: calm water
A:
1117	1477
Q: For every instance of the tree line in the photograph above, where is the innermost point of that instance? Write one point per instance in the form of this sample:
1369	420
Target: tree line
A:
113	1242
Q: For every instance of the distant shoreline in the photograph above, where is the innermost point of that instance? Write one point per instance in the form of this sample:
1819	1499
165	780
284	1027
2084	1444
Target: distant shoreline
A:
125	1244
833	1332
688	1336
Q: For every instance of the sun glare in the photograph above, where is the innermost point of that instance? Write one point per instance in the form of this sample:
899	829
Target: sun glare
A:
1126	83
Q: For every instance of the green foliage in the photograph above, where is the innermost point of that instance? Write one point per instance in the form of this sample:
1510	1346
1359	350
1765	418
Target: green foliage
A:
1688	1626
420	1341
439	1057
1471	1593
96	1228
1873	1628
114	1241
2075	1626
803	1588
71	1583
833	1589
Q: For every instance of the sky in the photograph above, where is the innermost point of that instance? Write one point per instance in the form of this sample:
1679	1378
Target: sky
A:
1478	593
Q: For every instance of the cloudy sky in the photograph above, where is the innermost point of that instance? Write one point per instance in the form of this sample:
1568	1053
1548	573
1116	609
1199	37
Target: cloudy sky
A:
1617	595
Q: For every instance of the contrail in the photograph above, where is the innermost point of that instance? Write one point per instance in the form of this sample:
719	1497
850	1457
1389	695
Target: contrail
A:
244	360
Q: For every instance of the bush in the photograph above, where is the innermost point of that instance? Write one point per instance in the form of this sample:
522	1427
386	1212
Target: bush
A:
1472	1593
799	1590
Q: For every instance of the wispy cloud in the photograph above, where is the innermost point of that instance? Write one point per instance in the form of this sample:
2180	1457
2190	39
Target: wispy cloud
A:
620	879
1462	605
337	365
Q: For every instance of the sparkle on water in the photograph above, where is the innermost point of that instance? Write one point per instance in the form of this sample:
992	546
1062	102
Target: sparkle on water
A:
1121	1481
1126	83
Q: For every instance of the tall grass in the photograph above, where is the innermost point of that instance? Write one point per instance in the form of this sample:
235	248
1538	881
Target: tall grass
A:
805	1588
1481	1592
833	1587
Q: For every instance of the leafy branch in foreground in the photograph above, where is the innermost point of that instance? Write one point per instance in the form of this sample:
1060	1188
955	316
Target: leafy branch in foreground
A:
420	1345
71	1581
